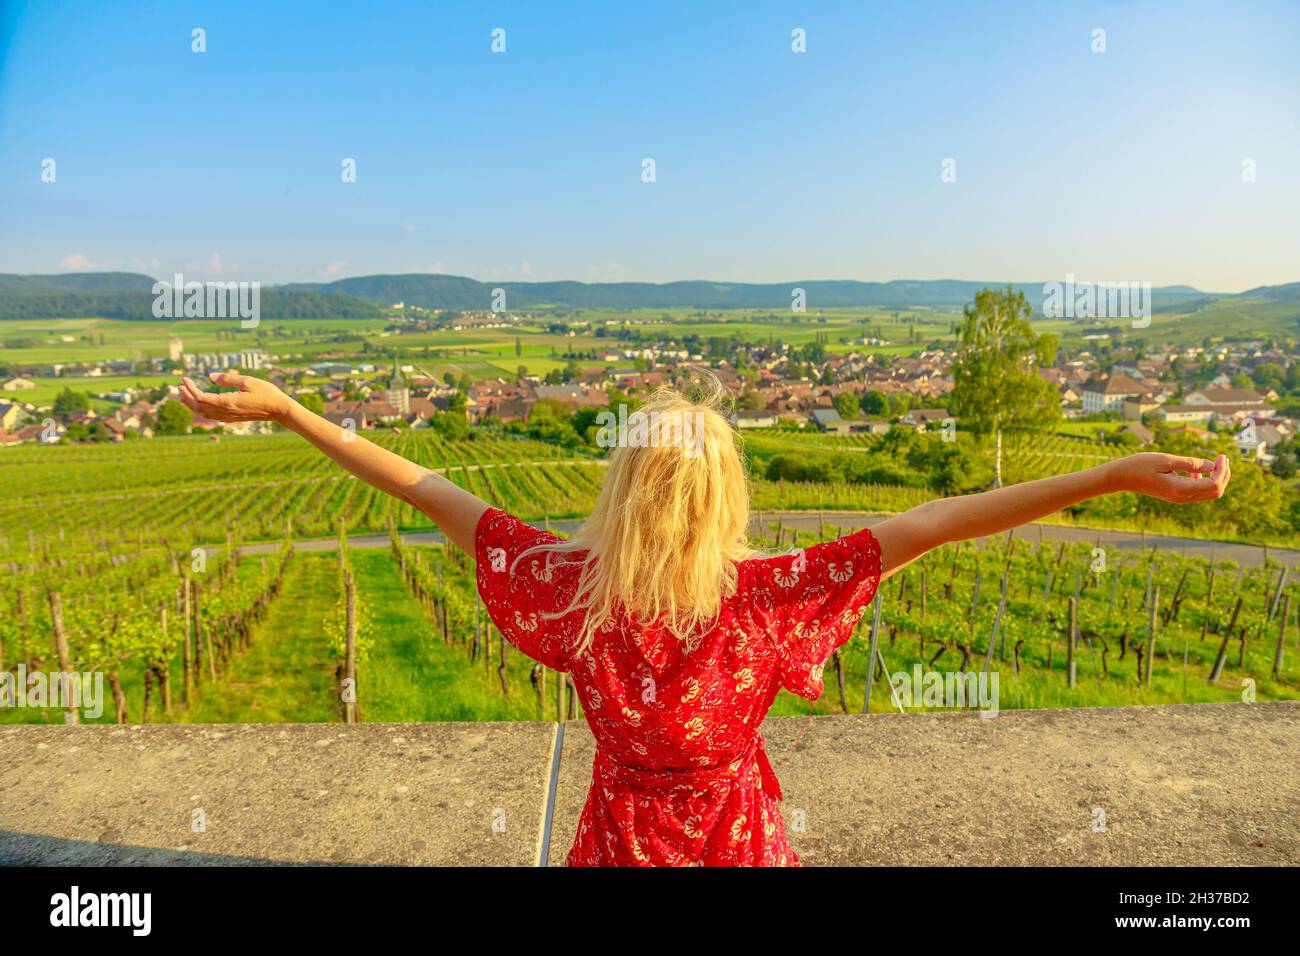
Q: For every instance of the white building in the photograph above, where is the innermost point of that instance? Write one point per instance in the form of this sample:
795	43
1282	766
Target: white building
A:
1110	395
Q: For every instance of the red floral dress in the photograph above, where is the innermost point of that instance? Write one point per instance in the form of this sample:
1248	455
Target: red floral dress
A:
681	776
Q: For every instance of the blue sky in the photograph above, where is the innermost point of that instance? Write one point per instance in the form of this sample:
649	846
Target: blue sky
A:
770	165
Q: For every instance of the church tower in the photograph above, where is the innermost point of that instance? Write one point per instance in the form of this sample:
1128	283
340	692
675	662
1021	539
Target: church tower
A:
398	395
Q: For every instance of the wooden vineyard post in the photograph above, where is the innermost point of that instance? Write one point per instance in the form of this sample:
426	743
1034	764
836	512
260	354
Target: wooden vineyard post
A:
1002	604
198	630
350	659
1223	647
187	656
1281	637
440	613
22	625
478	628
1151	632
871	653
164	674
64	658
1277	595
997	624
211	657
1069	640
839	679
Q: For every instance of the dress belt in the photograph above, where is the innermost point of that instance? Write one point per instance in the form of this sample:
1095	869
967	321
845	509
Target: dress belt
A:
639	778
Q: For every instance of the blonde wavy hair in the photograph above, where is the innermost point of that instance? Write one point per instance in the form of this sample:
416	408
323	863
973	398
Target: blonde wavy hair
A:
669	525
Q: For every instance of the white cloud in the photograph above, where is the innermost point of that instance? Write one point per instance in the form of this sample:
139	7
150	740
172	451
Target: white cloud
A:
75	260
333	268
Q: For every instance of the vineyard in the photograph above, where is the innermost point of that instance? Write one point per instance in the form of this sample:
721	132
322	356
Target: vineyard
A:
398	634
1027	457
130	562
187	490
1070	625
193	491
346	635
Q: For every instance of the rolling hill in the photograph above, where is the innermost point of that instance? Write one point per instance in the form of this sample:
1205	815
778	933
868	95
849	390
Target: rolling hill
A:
128	295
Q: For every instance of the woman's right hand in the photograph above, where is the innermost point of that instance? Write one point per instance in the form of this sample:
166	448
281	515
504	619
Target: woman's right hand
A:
1158	476
254	400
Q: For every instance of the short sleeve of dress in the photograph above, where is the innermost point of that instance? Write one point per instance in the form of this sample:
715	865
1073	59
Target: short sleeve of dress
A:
517	594
808	603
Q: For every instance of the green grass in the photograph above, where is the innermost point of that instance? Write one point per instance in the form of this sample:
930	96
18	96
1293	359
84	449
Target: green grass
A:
411	675
287	673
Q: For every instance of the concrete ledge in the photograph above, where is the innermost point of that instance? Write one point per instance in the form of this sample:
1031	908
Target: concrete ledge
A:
295	793
1205	784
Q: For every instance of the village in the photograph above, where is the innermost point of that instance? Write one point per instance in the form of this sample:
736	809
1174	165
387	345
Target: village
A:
1200	390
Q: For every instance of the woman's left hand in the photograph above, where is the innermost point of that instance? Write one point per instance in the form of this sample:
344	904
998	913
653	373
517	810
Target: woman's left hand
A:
1175	478
253	400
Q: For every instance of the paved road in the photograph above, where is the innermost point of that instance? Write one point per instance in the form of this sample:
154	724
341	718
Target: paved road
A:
1244	554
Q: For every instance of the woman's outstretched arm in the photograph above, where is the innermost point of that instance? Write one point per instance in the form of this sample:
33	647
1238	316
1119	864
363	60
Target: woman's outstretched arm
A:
912	534
450	507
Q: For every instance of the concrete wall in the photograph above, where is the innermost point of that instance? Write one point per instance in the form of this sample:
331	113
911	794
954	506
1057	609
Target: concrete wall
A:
1196	784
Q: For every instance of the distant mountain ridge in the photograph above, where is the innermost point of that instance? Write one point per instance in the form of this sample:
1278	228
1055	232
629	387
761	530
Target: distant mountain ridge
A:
459	292
129	295
72	282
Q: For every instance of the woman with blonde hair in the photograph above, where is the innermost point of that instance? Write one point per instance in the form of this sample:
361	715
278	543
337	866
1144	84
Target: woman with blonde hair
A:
676	635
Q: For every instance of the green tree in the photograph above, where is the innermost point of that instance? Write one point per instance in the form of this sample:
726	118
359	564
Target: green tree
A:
1284	463
846	403
312	402
996	384
874	403
174	418
449	425
67	402
1268	375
